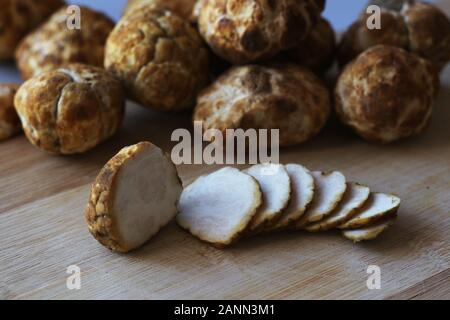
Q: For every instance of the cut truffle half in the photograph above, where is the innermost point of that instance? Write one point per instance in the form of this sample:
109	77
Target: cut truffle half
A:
134	196
379	206
218	207
330	189
369	232
354	198
275	186
302	184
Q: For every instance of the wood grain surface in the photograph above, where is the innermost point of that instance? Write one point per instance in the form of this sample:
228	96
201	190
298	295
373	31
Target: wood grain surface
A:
42	229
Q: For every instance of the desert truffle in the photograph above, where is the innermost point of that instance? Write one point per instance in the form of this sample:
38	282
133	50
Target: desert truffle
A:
246	31
19	17
9	121
418	27
285	97
71	109
317	51
133	197
54	43
183	8
159	57
386	94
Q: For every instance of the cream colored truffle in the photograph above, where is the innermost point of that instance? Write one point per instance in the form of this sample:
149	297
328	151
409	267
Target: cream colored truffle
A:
183	8
134	196
19	17
9	121
159	57
386	94
54	44
317	51
418	27
243	31
71	109
285	97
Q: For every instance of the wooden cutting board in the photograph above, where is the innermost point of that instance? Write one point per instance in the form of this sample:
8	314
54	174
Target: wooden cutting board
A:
42	229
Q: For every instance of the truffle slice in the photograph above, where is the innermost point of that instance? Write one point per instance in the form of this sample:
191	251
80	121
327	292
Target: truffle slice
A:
378	206
355	197
369	232
275	185
330	189
302	184
217	208
133	197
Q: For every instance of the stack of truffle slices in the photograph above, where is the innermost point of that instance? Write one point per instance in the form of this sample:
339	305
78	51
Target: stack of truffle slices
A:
229	204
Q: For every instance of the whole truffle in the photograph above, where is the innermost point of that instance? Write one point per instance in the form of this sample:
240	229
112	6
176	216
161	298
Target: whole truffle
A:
243	31
386	94
9	121
55	44
183	8
159	57
285	97
317	51
71	109
414	26
19	17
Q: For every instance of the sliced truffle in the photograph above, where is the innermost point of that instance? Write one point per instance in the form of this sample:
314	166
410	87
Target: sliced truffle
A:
386	94
289	98
159	57
245	31
217	208
9	120
18	18
133	197
55	44
354	198
71	109
370	232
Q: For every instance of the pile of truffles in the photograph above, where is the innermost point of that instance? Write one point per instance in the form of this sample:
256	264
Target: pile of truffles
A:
237	64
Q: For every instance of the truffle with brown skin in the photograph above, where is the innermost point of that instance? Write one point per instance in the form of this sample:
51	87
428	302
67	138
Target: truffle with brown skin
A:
417	27
54	44
246	31
159	57
317	51
387	94
183	8
285	97
9	120
71	109
133	197
19	17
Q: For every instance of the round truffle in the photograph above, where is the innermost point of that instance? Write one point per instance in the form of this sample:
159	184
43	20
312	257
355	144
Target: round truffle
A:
159	57
183	8
245	31
414	26
386	94
9	121
55	44
285	97
19	17
71	109
317	51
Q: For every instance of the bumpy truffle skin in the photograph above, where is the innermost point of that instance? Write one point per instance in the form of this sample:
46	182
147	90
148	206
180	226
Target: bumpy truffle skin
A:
387	94
159	57
54	44
9	121
183	8
285	97
19	17
71	109
243	31
317	51
417	27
